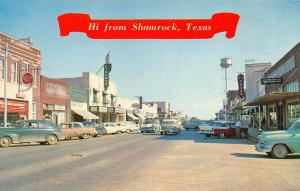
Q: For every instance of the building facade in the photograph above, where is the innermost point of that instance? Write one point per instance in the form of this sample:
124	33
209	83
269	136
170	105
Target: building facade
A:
23	100
54	100
163	109
282	100
100	102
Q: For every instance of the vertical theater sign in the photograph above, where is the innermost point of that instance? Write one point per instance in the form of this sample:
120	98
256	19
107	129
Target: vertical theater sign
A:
241	89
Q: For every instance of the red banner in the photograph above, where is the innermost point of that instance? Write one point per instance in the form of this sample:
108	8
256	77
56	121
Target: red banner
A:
149	28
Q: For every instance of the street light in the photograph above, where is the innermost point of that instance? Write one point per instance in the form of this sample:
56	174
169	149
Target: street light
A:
6	49
226	63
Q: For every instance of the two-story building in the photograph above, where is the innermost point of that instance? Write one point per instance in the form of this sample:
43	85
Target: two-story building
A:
22	57
101	102
282	100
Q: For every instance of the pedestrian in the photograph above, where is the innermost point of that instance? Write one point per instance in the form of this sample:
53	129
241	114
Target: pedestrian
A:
263	122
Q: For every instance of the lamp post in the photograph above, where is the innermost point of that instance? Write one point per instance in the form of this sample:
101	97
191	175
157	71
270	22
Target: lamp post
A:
6	49
226	63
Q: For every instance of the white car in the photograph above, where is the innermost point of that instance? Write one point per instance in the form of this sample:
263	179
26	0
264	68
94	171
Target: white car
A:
207	129
170	126
122	127
111	128
131	126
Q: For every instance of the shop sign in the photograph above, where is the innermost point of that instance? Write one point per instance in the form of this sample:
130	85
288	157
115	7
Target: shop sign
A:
102	109
111	110
14	106
269	81
241	86
56	90
94	109
60	107
27	78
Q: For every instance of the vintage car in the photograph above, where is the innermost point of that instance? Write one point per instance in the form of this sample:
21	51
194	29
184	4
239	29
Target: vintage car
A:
228	129
29	131
77	129
131	126
206	128
112	128
279	144
170	126
150	127
100	130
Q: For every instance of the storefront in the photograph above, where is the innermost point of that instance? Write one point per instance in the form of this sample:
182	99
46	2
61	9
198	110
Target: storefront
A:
281	109
99	111
121	114
16	110
80	113
54	100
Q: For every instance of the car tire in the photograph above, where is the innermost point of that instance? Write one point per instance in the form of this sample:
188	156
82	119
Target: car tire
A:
85	136
222	135
279	151
5	142
52	140
142	131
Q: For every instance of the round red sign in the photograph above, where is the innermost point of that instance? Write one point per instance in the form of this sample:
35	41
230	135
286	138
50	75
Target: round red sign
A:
27	78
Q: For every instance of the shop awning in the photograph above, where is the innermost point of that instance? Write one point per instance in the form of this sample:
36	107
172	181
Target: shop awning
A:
132	116
273	97
140	116
85	114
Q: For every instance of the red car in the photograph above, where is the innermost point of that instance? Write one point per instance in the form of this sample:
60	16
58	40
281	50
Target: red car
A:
228	129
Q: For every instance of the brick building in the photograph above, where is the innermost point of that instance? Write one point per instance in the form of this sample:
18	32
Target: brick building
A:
23	101
54	100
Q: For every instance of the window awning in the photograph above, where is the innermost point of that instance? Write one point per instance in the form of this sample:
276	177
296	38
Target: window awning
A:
132	116
273	97
85	114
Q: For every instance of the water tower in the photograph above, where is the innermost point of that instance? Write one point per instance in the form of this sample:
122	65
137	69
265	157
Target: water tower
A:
226	63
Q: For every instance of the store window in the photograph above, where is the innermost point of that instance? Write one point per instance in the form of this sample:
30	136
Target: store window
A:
33	110
293	113
94	96
292	86
25	68
284	68
1	68
272	123
35	78
14	71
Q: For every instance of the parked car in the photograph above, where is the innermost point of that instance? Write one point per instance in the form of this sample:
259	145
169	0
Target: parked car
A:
100	130
29	131
279	144
122	127
224	129
77	129
170	126
206	128
111	128
132	126
150	127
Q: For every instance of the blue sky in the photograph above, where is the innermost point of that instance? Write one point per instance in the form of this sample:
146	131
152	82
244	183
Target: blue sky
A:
185	73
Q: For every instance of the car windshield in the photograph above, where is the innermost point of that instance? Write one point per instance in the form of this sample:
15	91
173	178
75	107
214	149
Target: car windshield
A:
169	122
295	126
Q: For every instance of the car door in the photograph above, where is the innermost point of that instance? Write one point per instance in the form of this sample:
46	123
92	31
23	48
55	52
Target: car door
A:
78	129
29	132
44	130
295	139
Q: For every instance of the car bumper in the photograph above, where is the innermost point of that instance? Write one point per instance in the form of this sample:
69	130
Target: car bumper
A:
262	148
206	133
170	131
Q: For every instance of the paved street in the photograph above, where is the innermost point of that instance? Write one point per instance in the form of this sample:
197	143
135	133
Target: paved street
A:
146	162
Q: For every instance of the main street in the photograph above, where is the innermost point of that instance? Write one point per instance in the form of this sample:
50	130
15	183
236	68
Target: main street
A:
146	162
